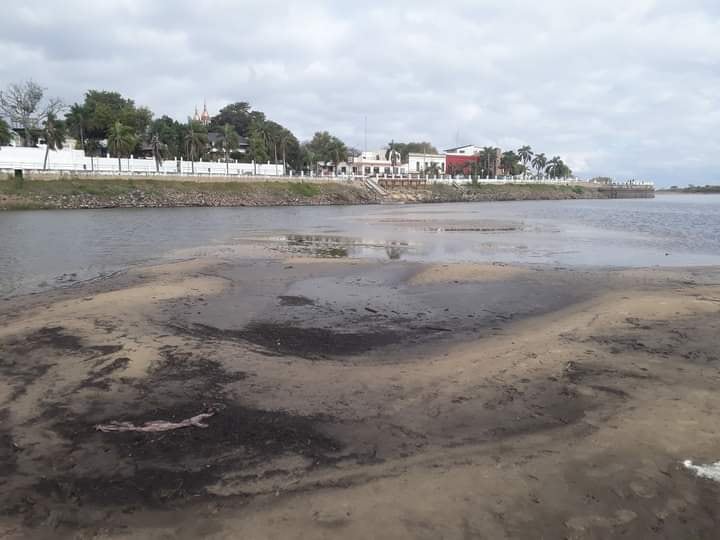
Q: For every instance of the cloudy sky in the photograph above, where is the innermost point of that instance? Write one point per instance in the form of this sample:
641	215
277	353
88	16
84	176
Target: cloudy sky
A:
629	88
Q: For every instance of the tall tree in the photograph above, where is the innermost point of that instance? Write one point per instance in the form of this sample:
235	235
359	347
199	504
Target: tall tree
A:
510	161
526	155
230	142
490	154
157	148
558	168
237	115
325	147
75	121
101	109
539	162
121	140
257	142
24	105
54	133
5	133
195	141
171	133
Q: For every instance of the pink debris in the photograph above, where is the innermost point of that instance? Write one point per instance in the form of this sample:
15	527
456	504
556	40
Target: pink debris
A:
155	425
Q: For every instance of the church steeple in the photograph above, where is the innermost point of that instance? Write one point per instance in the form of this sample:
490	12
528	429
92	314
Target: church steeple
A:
205	117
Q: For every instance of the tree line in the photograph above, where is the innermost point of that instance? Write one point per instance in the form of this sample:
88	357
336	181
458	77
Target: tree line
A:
107	122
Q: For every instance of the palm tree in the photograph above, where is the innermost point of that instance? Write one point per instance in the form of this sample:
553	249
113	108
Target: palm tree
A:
229	143
121	140
539	162
490	153
157	147
76	120
553	168
526	155
195	140
54	132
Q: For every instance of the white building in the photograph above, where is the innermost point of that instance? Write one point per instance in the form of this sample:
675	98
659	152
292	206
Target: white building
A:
419	163
373	164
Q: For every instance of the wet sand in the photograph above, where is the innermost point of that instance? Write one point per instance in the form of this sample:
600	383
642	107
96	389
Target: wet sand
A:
362	399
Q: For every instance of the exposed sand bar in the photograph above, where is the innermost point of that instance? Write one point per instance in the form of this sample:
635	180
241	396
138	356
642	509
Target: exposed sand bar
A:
360	399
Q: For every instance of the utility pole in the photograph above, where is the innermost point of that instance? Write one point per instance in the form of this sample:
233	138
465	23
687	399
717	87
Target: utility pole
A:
365	148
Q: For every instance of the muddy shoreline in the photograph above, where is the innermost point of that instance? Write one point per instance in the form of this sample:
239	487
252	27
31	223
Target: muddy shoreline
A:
362	399
110	192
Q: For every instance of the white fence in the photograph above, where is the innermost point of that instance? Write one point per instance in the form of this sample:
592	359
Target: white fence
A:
12	157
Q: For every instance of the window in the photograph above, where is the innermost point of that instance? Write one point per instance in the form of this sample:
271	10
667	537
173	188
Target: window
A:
376	170
387	170
367	170
418	166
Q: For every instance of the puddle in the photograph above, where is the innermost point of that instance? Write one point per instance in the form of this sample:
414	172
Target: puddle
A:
334	247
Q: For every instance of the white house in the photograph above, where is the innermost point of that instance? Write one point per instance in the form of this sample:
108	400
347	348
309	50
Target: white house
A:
419	163
373	164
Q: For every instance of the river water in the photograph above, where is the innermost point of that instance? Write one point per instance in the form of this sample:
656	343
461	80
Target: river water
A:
43	249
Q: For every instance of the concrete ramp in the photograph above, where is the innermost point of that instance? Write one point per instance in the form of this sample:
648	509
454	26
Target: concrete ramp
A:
374	186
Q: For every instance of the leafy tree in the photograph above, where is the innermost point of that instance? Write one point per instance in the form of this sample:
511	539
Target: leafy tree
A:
121	140
414	148
539	162
195	141
490	155
5	133
229	143
24	105
257	142
526	155
510	161
54	133
557	168
392	154
75	122
237	115
102	109
325	147
171	133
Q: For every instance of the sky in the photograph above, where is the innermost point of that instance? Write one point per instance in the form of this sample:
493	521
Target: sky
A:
624	88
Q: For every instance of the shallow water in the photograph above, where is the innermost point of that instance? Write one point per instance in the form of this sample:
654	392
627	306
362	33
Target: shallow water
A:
41	249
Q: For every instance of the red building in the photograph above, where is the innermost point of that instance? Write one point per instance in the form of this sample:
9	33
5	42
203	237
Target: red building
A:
459	160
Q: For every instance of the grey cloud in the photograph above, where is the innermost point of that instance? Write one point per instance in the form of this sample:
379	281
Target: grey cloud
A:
616	87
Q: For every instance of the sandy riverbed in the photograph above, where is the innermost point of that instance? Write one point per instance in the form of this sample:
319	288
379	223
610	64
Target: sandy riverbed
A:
357	399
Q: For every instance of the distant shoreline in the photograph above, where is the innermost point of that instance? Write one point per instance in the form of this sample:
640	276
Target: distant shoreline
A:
124	192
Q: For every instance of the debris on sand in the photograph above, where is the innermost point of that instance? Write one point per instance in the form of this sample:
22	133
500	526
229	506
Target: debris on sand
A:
155	425
711	472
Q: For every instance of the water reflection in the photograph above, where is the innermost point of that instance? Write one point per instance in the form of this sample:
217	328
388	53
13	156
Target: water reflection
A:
335	246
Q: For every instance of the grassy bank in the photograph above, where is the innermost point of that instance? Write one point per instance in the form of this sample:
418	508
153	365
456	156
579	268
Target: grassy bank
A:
75	192
118	192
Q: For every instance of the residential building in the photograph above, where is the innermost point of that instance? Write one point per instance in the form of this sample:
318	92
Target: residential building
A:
419	163
459	160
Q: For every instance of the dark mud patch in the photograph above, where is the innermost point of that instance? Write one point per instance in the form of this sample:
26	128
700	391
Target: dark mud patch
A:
54	337
98	377
149	469
8	448
579	373
311	343
295	301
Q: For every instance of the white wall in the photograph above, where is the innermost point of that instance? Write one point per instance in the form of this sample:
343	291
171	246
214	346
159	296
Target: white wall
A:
12	157
419	162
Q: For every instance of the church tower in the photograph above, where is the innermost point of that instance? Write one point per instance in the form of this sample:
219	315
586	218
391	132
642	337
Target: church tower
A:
205	117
